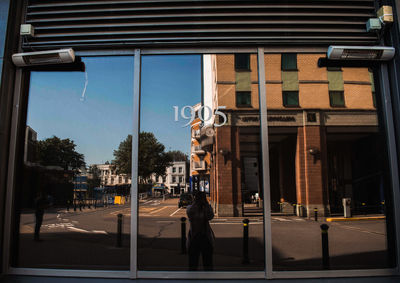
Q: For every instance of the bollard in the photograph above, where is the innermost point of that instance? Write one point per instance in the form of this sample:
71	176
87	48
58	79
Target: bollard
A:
89	204
316	214
294	209
245	241
183	235
325	246
74	201
68	205
119	231
95	203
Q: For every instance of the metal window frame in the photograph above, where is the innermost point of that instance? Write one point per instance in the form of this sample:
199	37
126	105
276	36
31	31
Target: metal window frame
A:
134	273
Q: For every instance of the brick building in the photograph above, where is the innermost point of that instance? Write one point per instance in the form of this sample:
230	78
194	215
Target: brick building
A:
317	119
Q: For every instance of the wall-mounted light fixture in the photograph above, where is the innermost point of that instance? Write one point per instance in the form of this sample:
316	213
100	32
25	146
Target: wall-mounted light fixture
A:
315	152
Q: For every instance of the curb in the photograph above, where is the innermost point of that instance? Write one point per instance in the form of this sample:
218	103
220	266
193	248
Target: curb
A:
332	219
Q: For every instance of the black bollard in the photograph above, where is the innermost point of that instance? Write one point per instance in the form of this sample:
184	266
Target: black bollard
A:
294	209
67	205
183	235
74	202
245	241
119	231
325	246
316	214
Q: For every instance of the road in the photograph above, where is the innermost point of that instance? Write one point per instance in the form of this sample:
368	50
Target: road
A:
87	239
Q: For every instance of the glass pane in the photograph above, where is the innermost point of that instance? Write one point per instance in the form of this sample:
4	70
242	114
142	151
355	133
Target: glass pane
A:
189	120
74	177
289	61
327	167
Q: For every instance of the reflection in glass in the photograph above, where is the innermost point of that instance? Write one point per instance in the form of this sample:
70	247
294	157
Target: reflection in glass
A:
328	164
199	132
74	179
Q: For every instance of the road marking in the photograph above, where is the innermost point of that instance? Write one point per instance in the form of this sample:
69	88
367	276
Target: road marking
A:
165	221
280	219
172	214
158	210
156	203
99	232
77	230
238	223
360	230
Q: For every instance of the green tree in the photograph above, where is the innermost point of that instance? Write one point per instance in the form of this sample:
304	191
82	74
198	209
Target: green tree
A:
59	152
177	155
152	157
123	156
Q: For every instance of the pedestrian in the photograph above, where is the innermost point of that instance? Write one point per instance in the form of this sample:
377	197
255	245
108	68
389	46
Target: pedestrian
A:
200	237
41	203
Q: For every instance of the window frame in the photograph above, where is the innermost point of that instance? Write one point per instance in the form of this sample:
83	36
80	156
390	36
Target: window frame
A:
268	273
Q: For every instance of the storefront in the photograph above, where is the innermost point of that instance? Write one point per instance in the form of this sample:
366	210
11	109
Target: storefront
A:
234	99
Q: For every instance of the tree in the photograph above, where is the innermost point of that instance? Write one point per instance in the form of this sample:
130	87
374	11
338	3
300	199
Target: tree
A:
177	155
59	152
152	157
123	156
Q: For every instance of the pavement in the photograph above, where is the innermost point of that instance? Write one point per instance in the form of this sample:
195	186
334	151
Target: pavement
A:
87	240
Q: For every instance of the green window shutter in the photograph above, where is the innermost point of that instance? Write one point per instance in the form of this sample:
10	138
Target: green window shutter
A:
289	61
290	80
243	81
335	79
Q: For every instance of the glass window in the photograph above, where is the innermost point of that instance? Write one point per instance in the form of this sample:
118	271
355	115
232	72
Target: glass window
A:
180	169
336	98
290	98
243	99
329	176
66	213
289	62
221	147
173	169
242	62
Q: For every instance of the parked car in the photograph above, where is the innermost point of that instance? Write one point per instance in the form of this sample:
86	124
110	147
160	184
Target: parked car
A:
185	199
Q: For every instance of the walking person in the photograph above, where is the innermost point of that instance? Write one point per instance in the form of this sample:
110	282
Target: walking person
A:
41	203
201	237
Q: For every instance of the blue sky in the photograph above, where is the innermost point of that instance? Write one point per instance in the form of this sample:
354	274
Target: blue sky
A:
100	121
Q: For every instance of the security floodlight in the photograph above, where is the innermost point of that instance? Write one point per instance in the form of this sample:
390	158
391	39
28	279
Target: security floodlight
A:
375	53
49	57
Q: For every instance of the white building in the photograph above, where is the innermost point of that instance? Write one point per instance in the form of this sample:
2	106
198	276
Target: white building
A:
109	177
174	179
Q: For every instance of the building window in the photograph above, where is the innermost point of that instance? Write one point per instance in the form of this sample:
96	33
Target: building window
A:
180	169
336	98
242	62
173	169
164	179
173	179
243	99
289	62
180	179
290	98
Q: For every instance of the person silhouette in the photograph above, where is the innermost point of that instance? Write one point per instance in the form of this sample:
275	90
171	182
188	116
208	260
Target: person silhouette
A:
200	237
41	203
